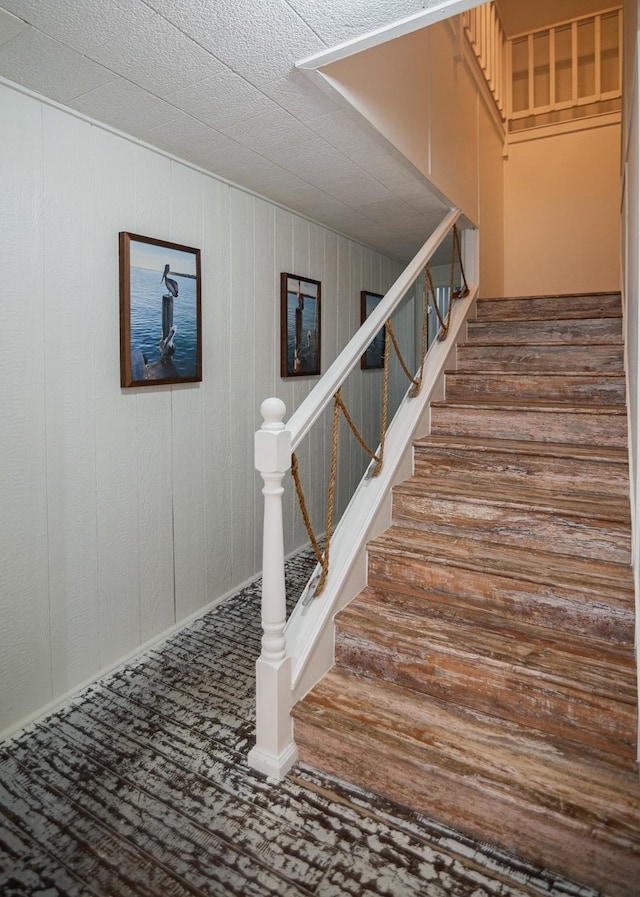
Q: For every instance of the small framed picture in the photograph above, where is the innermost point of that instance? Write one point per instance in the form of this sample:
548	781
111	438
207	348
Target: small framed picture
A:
300	301
373	358
160	312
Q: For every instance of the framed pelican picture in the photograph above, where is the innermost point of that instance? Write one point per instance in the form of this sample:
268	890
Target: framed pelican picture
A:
160	305
373	358
300	299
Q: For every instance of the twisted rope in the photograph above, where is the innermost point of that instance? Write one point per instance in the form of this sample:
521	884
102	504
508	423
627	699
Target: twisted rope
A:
295	473
354	429
457	249
340	407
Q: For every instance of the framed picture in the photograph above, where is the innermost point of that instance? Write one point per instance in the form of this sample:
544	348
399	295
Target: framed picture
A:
373	358
300	300
160	321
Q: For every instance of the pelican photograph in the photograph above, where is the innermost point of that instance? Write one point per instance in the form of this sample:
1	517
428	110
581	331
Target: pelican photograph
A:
160	328
300	326
373	358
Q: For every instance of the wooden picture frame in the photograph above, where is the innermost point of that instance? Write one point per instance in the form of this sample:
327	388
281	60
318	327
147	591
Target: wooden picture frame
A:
373	358
160	312
300	330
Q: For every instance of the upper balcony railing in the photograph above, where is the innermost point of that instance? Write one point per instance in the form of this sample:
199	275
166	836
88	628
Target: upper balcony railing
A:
560	73
573	65
485	32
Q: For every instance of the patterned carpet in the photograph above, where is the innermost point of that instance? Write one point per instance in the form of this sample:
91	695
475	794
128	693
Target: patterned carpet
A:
140	787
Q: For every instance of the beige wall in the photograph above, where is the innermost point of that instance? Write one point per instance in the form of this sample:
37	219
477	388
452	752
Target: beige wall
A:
518	17
388	85
491	203
562	212
453	122
433	109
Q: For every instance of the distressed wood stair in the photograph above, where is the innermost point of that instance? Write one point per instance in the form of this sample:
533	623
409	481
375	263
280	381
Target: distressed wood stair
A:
486	676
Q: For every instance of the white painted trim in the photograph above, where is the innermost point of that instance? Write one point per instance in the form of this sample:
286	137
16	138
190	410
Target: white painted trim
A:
273	769
310	624
436	13
472	63
540	132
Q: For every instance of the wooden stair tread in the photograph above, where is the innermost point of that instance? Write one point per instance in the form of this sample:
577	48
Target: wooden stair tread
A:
494	754
542	357
540	375
583	665
544	307
535	345
588	385
543	385
598	454
503	599
596	506
556	331
596	410
601	577
587	423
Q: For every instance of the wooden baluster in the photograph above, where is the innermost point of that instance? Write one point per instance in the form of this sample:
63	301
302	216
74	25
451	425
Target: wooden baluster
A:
275	750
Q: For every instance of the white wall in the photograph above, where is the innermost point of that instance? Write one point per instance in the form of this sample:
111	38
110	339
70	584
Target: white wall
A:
127	511
562	210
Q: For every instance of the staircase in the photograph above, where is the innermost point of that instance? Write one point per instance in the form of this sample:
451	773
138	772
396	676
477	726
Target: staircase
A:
486	675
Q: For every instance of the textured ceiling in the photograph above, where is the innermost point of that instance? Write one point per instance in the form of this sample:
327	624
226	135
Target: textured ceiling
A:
213	82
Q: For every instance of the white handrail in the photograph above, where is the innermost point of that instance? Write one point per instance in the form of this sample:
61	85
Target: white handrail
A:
310	410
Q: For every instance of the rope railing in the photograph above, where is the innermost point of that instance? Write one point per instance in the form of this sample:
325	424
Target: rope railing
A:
339	407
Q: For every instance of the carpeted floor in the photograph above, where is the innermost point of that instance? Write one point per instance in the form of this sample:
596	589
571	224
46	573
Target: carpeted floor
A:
140	787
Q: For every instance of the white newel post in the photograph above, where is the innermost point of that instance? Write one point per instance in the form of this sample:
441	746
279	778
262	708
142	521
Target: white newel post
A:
275	751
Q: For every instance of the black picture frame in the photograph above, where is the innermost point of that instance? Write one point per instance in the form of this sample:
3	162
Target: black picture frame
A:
373	357
160	312
300	325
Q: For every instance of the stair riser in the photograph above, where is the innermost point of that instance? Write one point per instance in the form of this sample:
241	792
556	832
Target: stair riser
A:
542	426
558	474
546	307
590	330
469	805
535	530
540	358
428	587
550	388
514	693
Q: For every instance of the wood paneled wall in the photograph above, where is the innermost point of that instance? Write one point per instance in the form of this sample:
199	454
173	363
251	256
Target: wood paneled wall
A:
128	511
